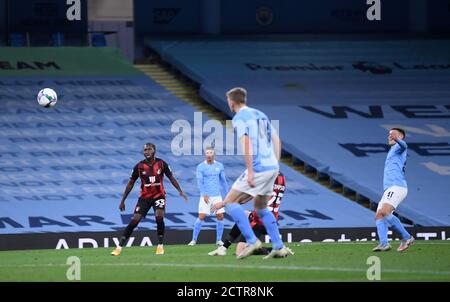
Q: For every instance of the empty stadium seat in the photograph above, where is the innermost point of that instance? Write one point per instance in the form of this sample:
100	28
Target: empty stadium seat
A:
98	40
17	39
335	100
58	39
70	163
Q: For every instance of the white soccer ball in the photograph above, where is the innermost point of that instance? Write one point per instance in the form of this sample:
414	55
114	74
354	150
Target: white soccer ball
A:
47	97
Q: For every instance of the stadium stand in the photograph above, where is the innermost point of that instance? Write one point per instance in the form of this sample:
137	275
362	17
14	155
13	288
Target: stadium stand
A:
98	40
321	89
58	39
16	40
64	169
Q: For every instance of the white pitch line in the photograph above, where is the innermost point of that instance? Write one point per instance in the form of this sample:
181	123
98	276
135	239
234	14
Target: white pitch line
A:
234	266
417	242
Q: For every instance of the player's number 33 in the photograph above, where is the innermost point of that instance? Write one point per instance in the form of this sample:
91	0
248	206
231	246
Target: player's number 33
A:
159	202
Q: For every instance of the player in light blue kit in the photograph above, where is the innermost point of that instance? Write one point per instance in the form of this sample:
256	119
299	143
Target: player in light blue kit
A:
210	178
262	149
395	191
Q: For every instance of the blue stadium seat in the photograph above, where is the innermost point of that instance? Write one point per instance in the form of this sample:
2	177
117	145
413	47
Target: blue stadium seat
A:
17	39
58	39
98	131
98	40
335	101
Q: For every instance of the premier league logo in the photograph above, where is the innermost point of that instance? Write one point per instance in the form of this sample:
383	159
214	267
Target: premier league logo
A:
372	67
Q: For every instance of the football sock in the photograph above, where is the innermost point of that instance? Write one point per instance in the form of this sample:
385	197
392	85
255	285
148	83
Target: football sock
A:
127	232
270	223
197	227
232	236
237	212
219	230
160	229
398	226
227	243
382	230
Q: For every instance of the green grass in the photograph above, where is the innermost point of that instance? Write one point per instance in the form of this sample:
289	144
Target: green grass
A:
424	261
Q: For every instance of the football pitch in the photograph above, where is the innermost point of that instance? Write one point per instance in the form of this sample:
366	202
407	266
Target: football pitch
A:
424	261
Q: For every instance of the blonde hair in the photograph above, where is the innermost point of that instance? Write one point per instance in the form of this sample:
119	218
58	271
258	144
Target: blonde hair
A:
238	95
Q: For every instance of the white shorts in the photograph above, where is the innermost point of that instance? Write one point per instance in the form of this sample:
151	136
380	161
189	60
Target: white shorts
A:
205	208
263	183
393	196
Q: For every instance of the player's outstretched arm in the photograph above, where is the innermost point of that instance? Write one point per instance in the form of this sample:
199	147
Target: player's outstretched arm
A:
403	145
127	191
177	186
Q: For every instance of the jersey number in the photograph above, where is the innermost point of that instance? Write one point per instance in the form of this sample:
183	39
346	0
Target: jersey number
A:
276	199
264	130
159	202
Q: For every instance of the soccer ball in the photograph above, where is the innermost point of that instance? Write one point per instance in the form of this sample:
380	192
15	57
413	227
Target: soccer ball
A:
47	97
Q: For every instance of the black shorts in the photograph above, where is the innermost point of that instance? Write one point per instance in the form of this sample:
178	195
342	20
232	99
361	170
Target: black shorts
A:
144	205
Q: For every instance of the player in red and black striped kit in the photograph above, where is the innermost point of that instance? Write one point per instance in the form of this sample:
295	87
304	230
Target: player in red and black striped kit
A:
257	225
151	171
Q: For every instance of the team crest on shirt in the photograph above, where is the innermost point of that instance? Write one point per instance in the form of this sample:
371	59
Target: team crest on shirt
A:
159	171
217	169
144	173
